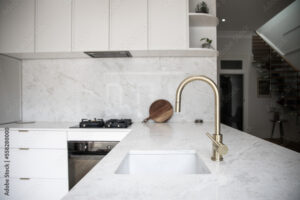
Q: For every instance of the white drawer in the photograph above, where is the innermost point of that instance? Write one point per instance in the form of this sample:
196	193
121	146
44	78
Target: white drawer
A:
35	189
37	163
97	135
35	139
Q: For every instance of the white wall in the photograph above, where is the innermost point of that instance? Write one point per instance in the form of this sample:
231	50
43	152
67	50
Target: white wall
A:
71	89
10	89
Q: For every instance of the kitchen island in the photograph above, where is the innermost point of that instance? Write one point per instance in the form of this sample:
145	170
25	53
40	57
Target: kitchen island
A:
252	169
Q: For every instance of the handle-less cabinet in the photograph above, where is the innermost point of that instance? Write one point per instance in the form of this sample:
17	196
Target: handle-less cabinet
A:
167	24
53	26
17	26
128	24
90	25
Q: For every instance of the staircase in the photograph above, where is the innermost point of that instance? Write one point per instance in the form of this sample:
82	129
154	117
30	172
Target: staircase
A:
282	32
284	79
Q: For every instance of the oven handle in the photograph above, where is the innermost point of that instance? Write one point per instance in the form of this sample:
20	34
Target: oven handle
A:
87	153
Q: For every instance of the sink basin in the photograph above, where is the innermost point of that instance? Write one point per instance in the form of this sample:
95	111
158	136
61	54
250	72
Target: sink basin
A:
162	162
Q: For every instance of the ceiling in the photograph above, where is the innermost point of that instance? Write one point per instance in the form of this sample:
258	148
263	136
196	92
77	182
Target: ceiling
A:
247	15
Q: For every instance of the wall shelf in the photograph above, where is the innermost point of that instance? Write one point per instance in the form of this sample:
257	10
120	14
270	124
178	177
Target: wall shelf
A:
201	19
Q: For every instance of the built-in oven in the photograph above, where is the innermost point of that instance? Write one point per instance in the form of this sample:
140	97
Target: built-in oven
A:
83	156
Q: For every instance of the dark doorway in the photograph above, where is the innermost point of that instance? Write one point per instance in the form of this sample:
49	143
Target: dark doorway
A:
231	88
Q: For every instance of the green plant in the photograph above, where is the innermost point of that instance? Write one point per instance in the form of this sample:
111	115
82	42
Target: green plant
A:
207	40
207	43
202	8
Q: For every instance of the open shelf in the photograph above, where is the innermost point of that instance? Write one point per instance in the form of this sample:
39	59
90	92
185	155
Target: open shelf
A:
210	3
198	32
202	19
202	25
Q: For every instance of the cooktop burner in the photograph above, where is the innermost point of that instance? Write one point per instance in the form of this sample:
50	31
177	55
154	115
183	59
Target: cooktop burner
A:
100	123
118	123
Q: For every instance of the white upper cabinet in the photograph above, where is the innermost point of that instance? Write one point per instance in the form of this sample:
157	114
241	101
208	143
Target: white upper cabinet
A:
17	26
167	24
53	25
90	25
66	28
128	24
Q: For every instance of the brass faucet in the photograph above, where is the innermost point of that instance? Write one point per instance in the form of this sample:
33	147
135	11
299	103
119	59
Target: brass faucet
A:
219	149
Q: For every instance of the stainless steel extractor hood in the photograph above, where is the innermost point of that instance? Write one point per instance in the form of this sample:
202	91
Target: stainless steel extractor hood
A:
109	54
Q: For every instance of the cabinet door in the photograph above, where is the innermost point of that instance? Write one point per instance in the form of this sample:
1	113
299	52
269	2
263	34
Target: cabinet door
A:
34	189
17	26
90	27
36	139
53	25
168	24
128	24
37	163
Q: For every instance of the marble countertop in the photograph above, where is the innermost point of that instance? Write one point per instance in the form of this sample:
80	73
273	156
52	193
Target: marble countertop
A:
59	126
40	125
252	169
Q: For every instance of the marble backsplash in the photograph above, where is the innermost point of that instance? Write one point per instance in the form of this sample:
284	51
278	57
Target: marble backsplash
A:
71	89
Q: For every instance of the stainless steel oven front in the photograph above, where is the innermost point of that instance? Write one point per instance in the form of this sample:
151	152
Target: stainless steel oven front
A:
83	156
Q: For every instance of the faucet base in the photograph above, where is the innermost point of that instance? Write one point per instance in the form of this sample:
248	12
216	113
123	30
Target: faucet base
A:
220	158
216	156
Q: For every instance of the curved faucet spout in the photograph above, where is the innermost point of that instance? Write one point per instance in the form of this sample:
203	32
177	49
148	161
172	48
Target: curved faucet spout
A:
216	93
219	149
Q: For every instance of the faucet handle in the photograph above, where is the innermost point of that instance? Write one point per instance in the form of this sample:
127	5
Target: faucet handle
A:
221	148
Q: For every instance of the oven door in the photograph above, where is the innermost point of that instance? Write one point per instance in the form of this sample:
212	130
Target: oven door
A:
80	165
83	156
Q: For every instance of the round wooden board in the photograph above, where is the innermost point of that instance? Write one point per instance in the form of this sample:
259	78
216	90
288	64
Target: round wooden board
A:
160	111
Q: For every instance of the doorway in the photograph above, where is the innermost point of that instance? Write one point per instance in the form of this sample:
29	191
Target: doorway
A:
232	100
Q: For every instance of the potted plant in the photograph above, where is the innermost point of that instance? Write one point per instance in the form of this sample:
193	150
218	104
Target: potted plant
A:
202	8
207	43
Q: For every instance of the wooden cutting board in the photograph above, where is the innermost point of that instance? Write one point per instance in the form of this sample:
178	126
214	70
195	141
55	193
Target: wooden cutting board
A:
160	111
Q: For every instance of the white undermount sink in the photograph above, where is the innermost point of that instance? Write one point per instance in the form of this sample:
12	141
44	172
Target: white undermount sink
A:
162	162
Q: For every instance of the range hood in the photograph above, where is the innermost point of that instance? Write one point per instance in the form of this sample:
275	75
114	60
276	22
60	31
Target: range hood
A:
109	54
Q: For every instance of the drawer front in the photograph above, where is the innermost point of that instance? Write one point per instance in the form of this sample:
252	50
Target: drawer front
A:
37	163
35	139
97	136
34	189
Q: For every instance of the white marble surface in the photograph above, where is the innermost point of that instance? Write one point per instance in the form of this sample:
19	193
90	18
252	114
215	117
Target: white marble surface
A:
40	125
65	126
71	89
253	168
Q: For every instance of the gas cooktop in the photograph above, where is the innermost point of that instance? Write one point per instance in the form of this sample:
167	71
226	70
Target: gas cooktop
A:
100	123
